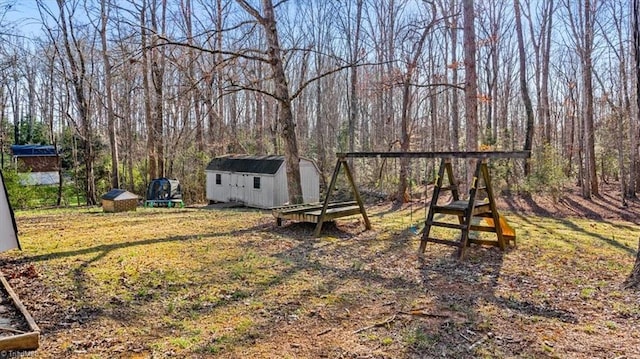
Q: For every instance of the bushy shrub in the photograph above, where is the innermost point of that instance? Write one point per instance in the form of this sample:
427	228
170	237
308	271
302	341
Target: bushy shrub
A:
548	176
20	196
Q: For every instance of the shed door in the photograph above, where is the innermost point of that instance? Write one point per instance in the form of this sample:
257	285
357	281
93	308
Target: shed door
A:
237	188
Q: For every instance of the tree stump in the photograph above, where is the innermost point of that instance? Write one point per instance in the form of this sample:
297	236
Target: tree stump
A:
634	278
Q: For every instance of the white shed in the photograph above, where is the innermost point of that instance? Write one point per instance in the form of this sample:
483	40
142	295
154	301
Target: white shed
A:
258	181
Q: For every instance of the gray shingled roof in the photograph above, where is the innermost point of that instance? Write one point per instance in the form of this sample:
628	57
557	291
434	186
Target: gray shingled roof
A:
119	194
246	163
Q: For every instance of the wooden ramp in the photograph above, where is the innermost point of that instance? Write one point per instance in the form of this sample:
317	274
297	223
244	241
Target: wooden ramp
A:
312	212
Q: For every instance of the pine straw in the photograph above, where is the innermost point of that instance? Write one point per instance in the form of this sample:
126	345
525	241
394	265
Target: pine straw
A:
228	283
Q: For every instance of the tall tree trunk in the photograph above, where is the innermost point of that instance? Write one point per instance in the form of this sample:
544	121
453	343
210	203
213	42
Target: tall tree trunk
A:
2	127
281	93
76	60
152	162
196	93
455	113
353	81
407	102
157	72
590	148
471	81
218	115
544	87
528	143
111	120
633	157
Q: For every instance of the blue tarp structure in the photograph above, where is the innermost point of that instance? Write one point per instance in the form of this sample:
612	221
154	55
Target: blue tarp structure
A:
33	150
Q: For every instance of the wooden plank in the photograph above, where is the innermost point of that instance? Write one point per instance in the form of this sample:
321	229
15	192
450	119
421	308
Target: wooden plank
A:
507	230
16	301
442	154
26	341
443	241
449	225
337	211
301	217
308	207
293	206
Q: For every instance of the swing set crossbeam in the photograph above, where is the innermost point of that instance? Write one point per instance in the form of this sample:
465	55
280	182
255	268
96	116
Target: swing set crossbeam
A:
442	154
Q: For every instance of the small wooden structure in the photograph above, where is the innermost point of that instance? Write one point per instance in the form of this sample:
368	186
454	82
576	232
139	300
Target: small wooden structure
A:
119	200
465	210
258	181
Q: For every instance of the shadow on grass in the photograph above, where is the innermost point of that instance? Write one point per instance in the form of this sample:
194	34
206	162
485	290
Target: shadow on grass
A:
79	311
570	225
465	288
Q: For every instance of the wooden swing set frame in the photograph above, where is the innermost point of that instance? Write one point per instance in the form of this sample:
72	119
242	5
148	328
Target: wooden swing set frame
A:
325	211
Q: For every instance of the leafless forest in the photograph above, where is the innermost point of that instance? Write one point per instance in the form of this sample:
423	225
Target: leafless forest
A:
132	90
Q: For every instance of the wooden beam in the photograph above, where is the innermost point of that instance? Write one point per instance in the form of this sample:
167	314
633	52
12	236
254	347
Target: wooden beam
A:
356	194
332	185
444	154
25	341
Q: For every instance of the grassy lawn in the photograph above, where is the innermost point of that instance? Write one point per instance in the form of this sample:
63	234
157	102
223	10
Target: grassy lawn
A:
199	282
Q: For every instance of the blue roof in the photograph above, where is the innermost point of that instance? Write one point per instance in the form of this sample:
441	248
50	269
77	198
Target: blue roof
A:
33	150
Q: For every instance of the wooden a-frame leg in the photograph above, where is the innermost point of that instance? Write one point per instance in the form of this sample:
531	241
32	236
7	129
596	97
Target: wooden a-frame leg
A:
473	190
332	185
356	194
492	206
434	201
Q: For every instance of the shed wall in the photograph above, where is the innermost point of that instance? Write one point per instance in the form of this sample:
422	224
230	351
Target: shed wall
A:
281	189
310	179
221	192
273	191
122	205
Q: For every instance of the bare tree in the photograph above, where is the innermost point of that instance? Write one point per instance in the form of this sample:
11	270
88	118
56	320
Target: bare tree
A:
528	143
407	99
281	92
471	79
111	118
354	46
582	28
634	278
541	43
634	176
76	64
455	114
